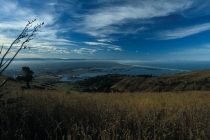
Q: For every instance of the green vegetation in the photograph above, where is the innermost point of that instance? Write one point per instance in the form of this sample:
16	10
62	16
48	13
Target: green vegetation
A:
10	53
104	83
28	76
72	115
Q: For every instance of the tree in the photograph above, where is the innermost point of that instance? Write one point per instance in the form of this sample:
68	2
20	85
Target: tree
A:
28	76
5	60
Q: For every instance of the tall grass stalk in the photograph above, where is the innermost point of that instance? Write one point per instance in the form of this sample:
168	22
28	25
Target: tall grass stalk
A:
126	116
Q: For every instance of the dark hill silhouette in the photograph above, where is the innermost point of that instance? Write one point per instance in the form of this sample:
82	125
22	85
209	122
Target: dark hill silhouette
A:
105	82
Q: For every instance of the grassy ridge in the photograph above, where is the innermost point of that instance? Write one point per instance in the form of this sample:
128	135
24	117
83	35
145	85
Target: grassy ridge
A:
72	115
187	81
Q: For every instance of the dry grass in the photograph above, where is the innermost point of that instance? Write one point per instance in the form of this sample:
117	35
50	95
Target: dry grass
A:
72	115
186	81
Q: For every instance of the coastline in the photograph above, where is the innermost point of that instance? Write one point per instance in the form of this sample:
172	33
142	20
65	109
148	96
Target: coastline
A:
73	70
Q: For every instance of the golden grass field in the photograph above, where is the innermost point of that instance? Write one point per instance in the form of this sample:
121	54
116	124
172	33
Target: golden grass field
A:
70	115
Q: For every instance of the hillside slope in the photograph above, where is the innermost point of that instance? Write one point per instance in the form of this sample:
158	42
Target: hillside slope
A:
187	81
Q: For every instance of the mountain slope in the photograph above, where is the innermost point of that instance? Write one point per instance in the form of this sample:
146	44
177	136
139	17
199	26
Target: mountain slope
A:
188	81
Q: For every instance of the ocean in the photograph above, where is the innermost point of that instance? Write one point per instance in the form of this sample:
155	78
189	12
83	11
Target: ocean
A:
167	67
73	70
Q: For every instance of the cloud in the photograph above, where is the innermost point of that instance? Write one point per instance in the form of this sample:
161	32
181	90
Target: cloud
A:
109	46
28	55
95	43
21	54
107	1
200	8
50	49
84	51
16	16
183	32
96	46
106	40
116	48
108	20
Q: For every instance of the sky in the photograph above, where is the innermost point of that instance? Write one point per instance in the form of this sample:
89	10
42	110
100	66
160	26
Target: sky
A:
110	29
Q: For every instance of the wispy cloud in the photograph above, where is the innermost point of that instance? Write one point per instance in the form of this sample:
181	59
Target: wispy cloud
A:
199	8
84	51
94	47
106	40
109	46
95	43
50	49
183	32
12	23
97	26
107	20
16	14
23	54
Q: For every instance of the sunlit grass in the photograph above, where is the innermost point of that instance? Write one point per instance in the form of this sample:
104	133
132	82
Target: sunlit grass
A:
73	115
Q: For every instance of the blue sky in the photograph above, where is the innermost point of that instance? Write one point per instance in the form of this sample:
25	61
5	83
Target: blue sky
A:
111	29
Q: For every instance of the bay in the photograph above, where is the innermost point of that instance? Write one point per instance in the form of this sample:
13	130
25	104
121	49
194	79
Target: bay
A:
73	70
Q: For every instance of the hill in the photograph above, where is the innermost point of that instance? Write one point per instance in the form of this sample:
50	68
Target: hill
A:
52	113
104	83
187	81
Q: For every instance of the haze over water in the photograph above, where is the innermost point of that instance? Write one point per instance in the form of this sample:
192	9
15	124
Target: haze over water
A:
90	68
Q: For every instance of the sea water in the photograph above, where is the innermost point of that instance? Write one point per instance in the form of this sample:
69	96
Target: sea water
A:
90	68
170	65
158	68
